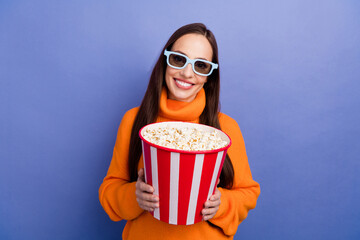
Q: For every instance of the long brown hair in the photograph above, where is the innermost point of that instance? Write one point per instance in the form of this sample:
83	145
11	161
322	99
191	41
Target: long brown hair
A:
149	107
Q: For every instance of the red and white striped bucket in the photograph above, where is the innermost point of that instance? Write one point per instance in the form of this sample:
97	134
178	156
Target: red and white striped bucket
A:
182	179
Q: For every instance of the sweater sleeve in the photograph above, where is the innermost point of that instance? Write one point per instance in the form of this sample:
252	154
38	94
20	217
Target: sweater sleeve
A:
241	198
117	193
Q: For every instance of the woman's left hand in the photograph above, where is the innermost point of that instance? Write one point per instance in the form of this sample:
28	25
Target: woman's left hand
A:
211	206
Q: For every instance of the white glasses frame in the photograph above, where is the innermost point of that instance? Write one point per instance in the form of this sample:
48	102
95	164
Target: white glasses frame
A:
191	61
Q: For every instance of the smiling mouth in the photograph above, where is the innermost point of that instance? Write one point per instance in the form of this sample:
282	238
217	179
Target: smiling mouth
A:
183	84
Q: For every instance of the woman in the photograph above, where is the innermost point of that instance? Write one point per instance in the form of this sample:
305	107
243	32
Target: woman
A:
180	89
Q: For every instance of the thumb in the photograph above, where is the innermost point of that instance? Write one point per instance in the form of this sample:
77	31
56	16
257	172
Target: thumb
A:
141	174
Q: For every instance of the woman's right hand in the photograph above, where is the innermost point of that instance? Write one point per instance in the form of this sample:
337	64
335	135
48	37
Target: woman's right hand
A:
144	193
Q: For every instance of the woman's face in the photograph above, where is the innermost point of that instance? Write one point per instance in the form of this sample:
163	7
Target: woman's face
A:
184	84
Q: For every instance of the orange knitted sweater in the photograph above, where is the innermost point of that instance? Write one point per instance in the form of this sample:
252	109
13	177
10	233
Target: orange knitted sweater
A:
117	194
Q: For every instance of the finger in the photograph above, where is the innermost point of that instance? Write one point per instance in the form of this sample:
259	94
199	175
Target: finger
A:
147	201
147	205
146	196
215	197
143	187
141	174
140	183
218	182
214	200
208	217
217	193
150	209
212	204
209	213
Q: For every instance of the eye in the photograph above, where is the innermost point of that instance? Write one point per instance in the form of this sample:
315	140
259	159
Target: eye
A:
201	65
178	58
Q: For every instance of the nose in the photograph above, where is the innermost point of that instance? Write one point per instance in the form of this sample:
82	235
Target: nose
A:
187	71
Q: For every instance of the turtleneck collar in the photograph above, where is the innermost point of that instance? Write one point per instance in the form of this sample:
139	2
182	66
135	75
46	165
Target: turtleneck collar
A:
173	110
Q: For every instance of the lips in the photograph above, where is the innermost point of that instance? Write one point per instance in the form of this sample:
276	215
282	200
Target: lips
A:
183	84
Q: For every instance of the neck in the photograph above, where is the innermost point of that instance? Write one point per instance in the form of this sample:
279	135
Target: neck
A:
175	110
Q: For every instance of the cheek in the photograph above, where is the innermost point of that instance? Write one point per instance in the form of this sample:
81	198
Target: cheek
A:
170	72
167	75
202	79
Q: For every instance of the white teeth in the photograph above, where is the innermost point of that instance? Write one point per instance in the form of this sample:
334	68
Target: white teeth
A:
183	83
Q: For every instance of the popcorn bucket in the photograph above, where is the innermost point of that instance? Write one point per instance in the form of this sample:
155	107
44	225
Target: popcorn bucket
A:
184	180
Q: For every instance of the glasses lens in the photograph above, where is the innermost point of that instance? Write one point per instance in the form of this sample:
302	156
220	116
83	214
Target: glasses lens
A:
202	67
177	60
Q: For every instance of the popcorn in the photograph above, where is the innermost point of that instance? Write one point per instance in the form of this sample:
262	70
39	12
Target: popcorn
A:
185	138
183	180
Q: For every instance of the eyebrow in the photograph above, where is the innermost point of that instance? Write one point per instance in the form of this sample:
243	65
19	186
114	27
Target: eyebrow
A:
188	56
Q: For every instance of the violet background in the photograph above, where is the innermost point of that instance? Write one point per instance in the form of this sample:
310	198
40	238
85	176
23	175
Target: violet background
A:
290	74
